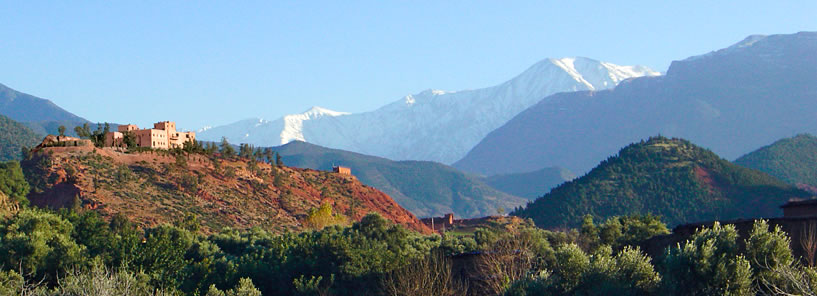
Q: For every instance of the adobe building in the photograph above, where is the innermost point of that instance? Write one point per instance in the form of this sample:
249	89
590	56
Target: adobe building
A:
163	135
800	208
439	223
342	170
63	141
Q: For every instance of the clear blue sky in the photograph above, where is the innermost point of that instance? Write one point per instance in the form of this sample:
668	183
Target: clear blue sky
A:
212	63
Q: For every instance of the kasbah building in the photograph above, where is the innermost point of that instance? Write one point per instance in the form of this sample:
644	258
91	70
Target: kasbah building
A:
163	135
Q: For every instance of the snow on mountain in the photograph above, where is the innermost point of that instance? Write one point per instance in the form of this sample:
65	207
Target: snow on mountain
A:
293	124
432	125
730	101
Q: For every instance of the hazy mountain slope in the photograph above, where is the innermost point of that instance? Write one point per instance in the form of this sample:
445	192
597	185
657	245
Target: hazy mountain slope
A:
39	114
793	160
154	188
432	125
424	188
668	177
731	101
13	137
532	184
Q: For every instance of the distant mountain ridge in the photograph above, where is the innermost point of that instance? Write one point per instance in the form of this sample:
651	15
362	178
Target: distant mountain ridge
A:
530	185
40	115
731	101
672	178
422	187
432	125
793	160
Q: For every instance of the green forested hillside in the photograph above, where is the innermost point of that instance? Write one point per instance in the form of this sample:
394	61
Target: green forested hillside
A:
13	136
668	177
425	188
793	160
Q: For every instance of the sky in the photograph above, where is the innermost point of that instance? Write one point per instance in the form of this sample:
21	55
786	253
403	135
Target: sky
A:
203	63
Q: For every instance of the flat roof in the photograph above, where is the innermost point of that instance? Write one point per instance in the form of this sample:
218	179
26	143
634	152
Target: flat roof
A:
805	202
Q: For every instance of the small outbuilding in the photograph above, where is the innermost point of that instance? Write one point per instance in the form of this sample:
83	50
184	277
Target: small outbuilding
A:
342	170
800	208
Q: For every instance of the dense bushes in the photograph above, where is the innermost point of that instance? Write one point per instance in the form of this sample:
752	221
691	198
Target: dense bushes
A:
344	260
68	253
709	263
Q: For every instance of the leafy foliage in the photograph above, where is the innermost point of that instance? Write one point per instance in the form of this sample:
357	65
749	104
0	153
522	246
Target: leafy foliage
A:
97	136
627	273
671	178
40	243
76	254
245	287
322	216
708	264
621	231
13	182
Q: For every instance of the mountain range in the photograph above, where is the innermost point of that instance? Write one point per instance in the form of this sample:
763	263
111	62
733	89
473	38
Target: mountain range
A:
731	101
522	137
432	125
40	115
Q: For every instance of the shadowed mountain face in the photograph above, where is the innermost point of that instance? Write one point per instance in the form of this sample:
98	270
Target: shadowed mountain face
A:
731	101
425	188
793	160
40	115
672	178
530	185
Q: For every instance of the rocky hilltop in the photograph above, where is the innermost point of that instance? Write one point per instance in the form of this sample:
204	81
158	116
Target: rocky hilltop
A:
155	187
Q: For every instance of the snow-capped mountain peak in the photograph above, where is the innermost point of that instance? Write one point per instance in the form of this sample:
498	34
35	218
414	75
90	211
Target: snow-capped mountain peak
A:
293	124
409	100
569	66
434	124
317	111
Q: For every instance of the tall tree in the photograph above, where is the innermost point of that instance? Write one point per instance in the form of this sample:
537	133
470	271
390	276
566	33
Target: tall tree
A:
268	155
83	131
226	149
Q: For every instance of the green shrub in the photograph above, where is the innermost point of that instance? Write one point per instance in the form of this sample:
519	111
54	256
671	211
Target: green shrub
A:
708	264
13	183
40	243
